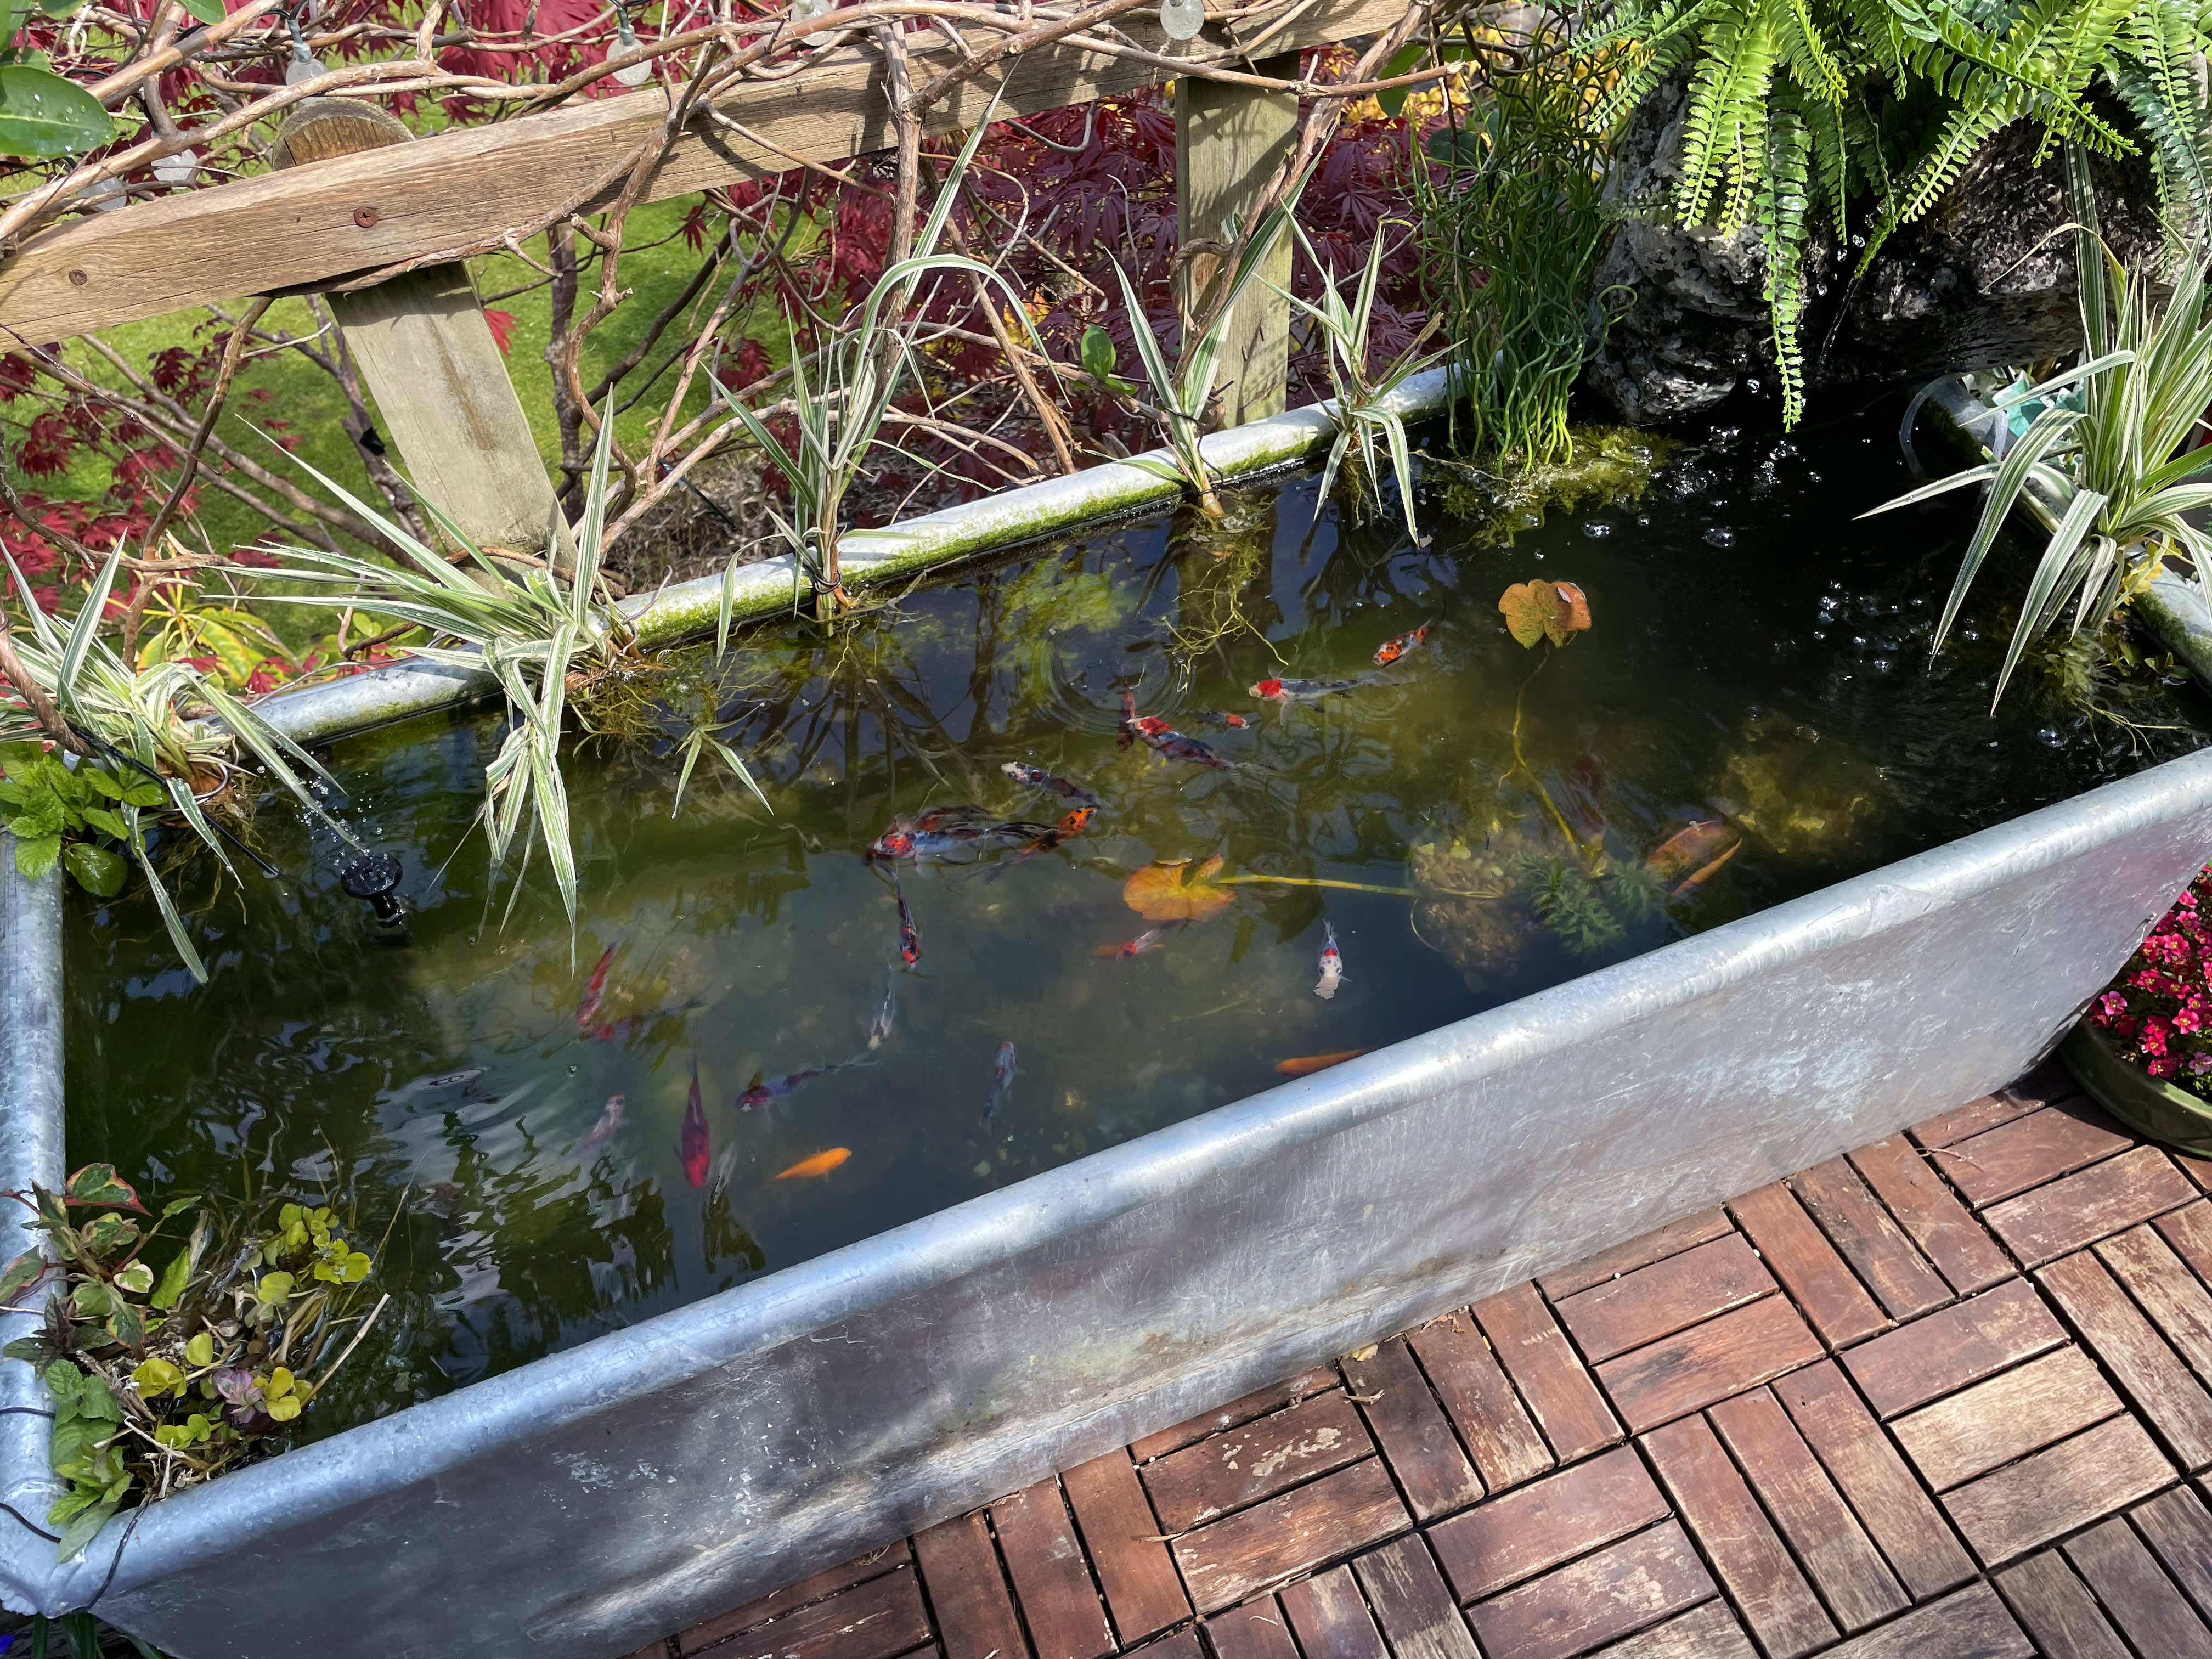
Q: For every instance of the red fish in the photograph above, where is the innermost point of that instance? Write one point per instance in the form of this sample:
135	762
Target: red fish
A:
910	935
1151	940
1390	650
1332	965
936	830
602	1131
1287	691
595	991
1307	1065
1233	722
1175	746
1037	778
694	1148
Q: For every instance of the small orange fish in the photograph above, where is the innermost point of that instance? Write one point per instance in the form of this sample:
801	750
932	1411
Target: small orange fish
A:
1390	650
1074	823
1307	1065
820	1164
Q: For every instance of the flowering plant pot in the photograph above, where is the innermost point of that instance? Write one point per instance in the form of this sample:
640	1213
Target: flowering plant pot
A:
2133	1096
2144	1051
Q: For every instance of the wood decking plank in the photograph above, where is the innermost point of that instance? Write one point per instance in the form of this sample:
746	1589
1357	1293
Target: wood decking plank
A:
1947	1350
2010	1415
1473	1386
1851	1575
1708	1362
2092	1203
2189	1230
2031	1150
1965	1254
1257	1629
1666	1296
1889	1502
1798	1254
1330	1618
1051	1582
1755	1566
760	1610
1623	1258
1183	1645
2057	1611
1967	1624
1501	1542
2179	1529
2049	1493
1948	1128
1887	1262
1410	1603
2154	1376
1143	1593
1254	1461
1228	1560
1244	1409
967	1590
2161	1283
2149	1611
1561	1395
1707	1632
876	1619
1406	1418
1620	1589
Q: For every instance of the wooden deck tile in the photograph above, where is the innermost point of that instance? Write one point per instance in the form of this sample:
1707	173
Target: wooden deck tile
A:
1586	1603
1543	1366
1968	1624
2149	1611
1887	1262
1666	1296
1843	1561
826	1583
876	1619
2179	1531
2153	1376
1143	1595
1256	1460
2057	1611
2021	1410
1228	1560
1183	1645
2198	1169
1948	1128
1258	1403
2098	1201
1932	1356
2162	1284
1403	1415
968	1590
1330	1618
1410	1603
1655	1246
1472	1385
1860	1459
1966	1256
2189	1230
1754	1565
1051	1582
2030	1151
2052	1491
1514	1537
1707	1632
1709	1362
1258	1630
1798	1254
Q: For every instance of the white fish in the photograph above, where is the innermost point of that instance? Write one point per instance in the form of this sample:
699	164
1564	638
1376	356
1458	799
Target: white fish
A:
1332	965
602	1131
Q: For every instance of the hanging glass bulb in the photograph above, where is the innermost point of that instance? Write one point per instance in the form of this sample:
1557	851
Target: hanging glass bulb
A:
178	169
636	75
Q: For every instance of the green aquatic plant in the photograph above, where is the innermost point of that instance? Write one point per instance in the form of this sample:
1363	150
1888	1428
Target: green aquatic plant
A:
1610	466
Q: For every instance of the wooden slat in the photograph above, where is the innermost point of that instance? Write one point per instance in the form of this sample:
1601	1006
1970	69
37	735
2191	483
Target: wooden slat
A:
1521	1534
1537	1356
2129	1346
1410	1603
2149	1611
2179	1529
1968	1624
1932	1356
1707	1632
968	1590
1655	1246
298	226
1887	1262
2167	1291
1229	141
1144	1594
1799	1254
2057	1611
2031	1150
1228	1560
1620	1589
1051	1582
2198	1169
1669	1295
1754	1565
2102	1200
1244	1409
1948	1128
1843	1561
1880	1489
1183	1645
2190	1232
876	1619
1483	1406
2049	1494
1966	1256
827	1583
1330	1618
1255	1461
1707	1363
1258	1630
1415	1435
2021	1410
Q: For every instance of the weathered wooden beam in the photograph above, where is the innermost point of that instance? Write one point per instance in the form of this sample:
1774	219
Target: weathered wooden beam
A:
314	224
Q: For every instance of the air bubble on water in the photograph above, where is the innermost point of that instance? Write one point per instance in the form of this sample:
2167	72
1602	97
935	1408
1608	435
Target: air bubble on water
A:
2050	738
1881	664
1721	536
572	1069
1595	529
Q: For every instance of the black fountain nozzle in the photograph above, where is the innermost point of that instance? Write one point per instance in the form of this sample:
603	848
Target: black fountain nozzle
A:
372	878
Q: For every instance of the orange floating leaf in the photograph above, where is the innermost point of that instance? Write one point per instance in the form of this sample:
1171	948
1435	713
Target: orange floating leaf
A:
1175	889
1539	610
820	1164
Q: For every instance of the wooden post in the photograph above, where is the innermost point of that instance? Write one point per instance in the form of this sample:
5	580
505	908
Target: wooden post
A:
1229	141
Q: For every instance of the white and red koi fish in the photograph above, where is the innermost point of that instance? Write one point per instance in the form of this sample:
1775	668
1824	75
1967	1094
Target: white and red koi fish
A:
1390	650
694	1148
602	1131
1151	940
595	991
1290	692
1003	1072
1037	778
1163	739
1332	965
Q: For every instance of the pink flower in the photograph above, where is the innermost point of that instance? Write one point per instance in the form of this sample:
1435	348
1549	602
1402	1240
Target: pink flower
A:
2111	1006
2163	1065
2199	1063
2154	1032
2188	1020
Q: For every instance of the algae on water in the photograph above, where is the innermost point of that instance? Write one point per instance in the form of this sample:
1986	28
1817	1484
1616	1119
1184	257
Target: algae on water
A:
1610	465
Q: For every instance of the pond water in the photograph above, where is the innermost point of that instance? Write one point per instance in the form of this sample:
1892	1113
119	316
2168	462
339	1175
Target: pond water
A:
1756	662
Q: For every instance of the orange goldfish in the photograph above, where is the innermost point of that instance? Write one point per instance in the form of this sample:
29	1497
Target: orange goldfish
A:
1307	1065
820	1164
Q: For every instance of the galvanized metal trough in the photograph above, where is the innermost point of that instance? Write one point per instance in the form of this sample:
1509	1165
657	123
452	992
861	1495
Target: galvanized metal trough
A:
587	1503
